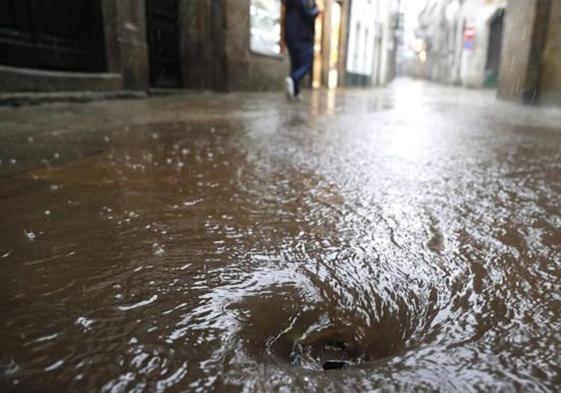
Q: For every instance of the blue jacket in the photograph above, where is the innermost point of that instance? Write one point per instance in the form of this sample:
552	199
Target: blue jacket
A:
299	19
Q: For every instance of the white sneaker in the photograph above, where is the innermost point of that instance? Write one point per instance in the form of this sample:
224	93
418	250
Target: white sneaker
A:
289	88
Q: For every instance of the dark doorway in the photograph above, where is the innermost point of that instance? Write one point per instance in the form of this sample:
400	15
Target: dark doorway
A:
494	50
52	34
163	42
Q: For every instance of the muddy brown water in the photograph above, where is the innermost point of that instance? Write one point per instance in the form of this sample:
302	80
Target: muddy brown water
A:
405	239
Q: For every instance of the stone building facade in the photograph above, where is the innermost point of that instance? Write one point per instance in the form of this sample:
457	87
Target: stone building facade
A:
462	41
52	48
531	72
223	45
106	45
513	45
371	42
217	48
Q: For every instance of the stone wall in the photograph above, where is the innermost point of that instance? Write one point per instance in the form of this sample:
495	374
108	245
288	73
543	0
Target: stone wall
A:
246	70
550	78
526	26
202	44
215	49
125	40
517	42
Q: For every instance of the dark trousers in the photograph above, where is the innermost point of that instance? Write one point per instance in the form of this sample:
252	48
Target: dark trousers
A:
301	60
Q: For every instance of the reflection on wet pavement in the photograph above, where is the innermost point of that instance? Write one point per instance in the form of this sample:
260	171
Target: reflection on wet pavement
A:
396	239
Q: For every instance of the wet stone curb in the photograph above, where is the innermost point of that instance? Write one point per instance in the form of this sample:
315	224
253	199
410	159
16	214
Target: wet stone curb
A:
27	99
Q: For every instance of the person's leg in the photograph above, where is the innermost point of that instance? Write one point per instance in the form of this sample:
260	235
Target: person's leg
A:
290	83
303	53
292	54
299	67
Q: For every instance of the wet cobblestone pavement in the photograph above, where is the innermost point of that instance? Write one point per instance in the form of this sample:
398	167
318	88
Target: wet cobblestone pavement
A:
402	239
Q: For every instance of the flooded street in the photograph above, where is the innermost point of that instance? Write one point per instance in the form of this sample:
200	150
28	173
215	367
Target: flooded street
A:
399	239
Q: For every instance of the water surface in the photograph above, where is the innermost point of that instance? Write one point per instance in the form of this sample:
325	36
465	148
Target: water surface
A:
408	238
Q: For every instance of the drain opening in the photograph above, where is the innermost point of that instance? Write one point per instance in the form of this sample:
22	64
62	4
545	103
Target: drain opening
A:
334	365
328	353
335	347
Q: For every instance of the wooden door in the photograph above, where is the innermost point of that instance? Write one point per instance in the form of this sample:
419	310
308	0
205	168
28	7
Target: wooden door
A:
163	42
52	34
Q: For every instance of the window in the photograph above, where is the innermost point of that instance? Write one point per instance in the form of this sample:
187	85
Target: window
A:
265	27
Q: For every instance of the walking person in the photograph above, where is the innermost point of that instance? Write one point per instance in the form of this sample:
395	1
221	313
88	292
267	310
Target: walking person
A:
299	38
